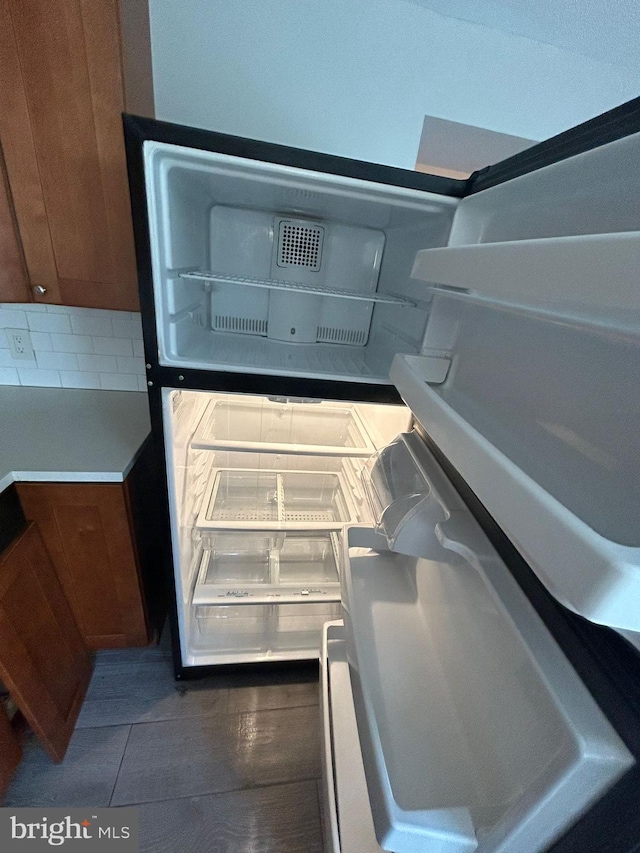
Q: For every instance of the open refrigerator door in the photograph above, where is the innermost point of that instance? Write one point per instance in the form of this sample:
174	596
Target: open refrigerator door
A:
260	491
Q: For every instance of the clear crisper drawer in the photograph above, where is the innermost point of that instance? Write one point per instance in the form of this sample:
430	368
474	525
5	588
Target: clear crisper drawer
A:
249	632
259	424
243	496
308	560
252	566
297	626
237	558
229	628
271	500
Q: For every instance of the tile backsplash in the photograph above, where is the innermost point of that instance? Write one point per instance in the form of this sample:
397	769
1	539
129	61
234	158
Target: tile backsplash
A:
74	348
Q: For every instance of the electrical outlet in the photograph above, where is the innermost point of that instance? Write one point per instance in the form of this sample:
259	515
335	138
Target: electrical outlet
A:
20	344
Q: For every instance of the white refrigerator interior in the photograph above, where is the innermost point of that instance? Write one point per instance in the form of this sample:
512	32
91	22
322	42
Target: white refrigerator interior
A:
509	321
249	258
260	491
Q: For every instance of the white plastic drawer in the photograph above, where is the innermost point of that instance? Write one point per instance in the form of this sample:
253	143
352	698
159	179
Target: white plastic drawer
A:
282	427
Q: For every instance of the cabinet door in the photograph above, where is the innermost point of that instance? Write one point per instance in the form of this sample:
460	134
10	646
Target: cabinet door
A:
87	532
43	660
62	93
14	286
10	752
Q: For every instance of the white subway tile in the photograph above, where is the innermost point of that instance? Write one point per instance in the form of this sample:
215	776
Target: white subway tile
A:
130	365
138	349
112	346
48	322
118	382
41	341
35	307
72	343
12	319
127	328
99	363
142	383
7	360
61	309
57	360
15	306
42	378
92	326
76	379
9	376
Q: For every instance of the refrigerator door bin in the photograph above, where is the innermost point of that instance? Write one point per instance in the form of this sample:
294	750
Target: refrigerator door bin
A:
270	500
255	567
345	803
452	669
253	423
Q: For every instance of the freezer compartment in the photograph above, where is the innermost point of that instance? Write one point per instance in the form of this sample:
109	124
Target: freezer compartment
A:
262	567
453	670
249	633
273	500
255	423
263	268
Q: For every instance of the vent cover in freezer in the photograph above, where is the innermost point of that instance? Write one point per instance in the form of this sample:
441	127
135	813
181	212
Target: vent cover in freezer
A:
300	244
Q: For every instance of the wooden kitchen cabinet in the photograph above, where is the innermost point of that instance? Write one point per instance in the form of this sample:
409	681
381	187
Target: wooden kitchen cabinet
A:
68	69
44	662
14	285
89	534
10	752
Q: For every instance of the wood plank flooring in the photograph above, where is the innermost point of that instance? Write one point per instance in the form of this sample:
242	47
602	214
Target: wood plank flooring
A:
228	764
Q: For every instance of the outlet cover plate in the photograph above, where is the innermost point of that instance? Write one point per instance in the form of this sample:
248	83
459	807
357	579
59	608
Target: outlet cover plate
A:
20	345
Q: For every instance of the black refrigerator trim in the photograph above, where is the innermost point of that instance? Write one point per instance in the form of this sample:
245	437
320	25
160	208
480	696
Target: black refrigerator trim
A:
138	130
614	124
608	666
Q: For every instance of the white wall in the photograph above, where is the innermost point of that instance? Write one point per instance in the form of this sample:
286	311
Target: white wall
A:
356	77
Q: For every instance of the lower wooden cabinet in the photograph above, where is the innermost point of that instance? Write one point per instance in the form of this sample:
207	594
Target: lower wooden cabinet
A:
89	534
44	662
10	752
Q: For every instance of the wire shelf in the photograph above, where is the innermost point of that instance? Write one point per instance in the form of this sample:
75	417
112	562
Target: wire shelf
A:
296	287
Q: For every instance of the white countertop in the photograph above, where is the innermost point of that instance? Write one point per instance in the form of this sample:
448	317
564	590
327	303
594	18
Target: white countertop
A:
70	435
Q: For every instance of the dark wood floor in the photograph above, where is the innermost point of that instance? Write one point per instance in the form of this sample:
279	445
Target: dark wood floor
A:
227	764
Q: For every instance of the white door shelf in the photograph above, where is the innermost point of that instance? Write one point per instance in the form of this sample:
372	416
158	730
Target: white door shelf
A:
250	499
593	273
282	427
588	572
443	681
262	568
295	287
347	812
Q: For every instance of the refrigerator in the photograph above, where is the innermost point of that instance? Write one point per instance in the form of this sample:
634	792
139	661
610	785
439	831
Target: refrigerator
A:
398	419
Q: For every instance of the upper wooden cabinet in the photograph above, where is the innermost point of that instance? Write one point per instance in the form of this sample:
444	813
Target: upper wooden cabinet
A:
14	285
68	69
